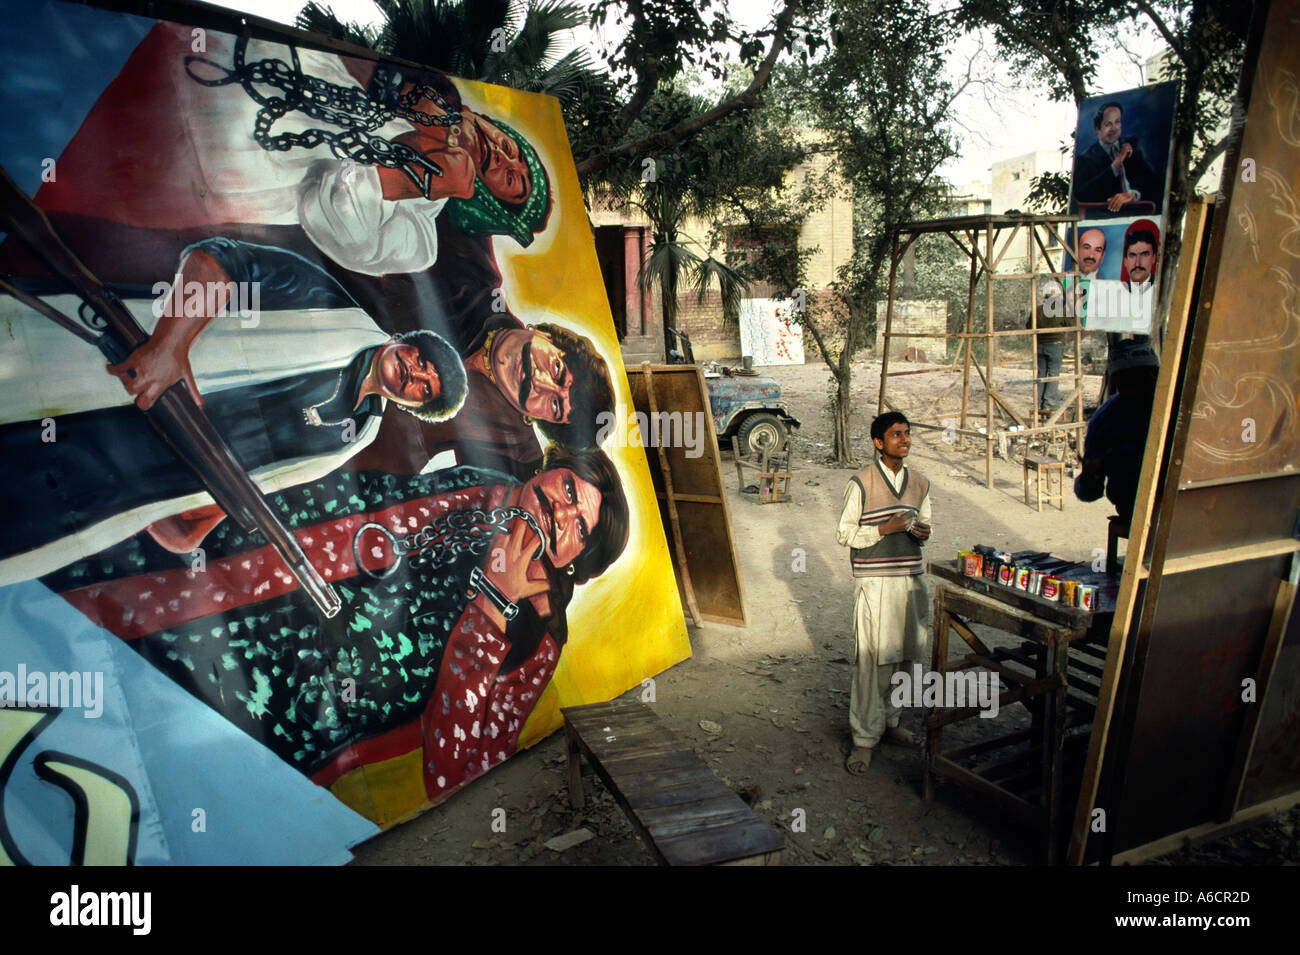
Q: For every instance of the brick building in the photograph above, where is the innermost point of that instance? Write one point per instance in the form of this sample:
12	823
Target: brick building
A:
623	238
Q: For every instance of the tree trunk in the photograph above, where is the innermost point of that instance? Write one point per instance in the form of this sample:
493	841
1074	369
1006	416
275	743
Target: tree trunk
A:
842	405
842	409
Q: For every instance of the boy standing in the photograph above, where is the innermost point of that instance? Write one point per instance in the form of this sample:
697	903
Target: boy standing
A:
885	520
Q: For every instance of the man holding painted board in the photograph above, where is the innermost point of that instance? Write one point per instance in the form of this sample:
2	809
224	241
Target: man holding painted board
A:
884	522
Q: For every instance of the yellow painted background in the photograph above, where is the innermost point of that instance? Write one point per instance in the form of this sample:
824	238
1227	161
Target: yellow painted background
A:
627	624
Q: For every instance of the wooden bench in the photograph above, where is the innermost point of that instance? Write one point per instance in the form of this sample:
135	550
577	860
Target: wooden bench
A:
683	813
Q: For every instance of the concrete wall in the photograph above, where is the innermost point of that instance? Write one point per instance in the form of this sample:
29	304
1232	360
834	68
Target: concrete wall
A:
915	316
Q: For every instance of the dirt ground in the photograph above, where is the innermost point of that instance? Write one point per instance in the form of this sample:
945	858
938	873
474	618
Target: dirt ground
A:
766	705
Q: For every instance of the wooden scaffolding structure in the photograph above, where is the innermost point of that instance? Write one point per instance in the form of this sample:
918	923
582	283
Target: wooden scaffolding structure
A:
985	240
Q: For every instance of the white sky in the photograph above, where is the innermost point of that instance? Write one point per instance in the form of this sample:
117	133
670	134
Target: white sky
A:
993	124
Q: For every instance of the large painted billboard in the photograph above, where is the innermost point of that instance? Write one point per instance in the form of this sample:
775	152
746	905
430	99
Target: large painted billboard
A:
306	521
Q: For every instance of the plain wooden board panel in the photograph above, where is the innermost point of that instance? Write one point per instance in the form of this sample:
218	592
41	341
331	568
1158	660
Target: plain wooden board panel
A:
1233	515
1206	638
1275	765
711	568
706	538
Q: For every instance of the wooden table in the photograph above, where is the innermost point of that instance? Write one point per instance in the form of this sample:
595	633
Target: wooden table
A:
683	813
1027	784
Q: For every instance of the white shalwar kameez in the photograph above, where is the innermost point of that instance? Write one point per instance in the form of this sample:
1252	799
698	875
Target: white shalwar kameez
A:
888	624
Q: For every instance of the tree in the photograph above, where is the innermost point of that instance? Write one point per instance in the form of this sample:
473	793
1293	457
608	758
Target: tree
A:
731	167
1056	44
661	39
507	42
883	99
515	43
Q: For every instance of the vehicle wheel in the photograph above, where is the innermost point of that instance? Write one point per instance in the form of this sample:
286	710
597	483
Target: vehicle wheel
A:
762	429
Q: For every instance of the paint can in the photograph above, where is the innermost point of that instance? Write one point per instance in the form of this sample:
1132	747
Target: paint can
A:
1070	593
1023	574
1087	597
1051	587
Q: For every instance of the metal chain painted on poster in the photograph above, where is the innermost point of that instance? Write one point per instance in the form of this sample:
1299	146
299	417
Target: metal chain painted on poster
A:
456	533
357	111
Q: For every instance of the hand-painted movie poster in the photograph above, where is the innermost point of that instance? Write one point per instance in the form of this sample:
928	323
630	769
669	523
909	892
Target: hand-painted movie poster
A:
385	549
1119	187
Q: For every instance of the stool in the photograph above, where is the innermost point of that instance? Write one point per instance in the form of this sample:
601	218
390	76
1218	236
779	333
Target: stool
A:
1045	467
1114	531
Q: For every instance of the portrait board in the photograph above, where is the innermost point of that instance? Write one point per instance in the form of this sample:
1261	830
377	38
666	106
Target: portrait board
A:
309	526
1121	153
1117	301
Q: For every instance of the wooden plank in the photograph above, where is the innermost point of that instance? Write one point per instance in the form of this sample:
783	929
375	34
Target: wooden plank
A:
596	726
642	748
720	845
1283	603
641	743
637	784
714	812
984	745
693	498
649	757
1229	555
679	548
1195	236
1008	801
698	495
889	321
677	795
989	350
1189	837
644	745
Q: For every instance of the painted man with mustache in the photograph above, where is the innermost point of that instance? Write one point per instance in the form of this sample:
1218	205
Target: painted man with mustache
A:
518	376
1127	306
294	389
455	587
1092	251
1137	288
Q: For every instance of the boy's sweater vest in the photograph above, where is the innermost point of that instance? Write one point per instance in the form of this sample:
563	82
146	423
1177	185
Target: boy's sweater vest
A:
894	555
